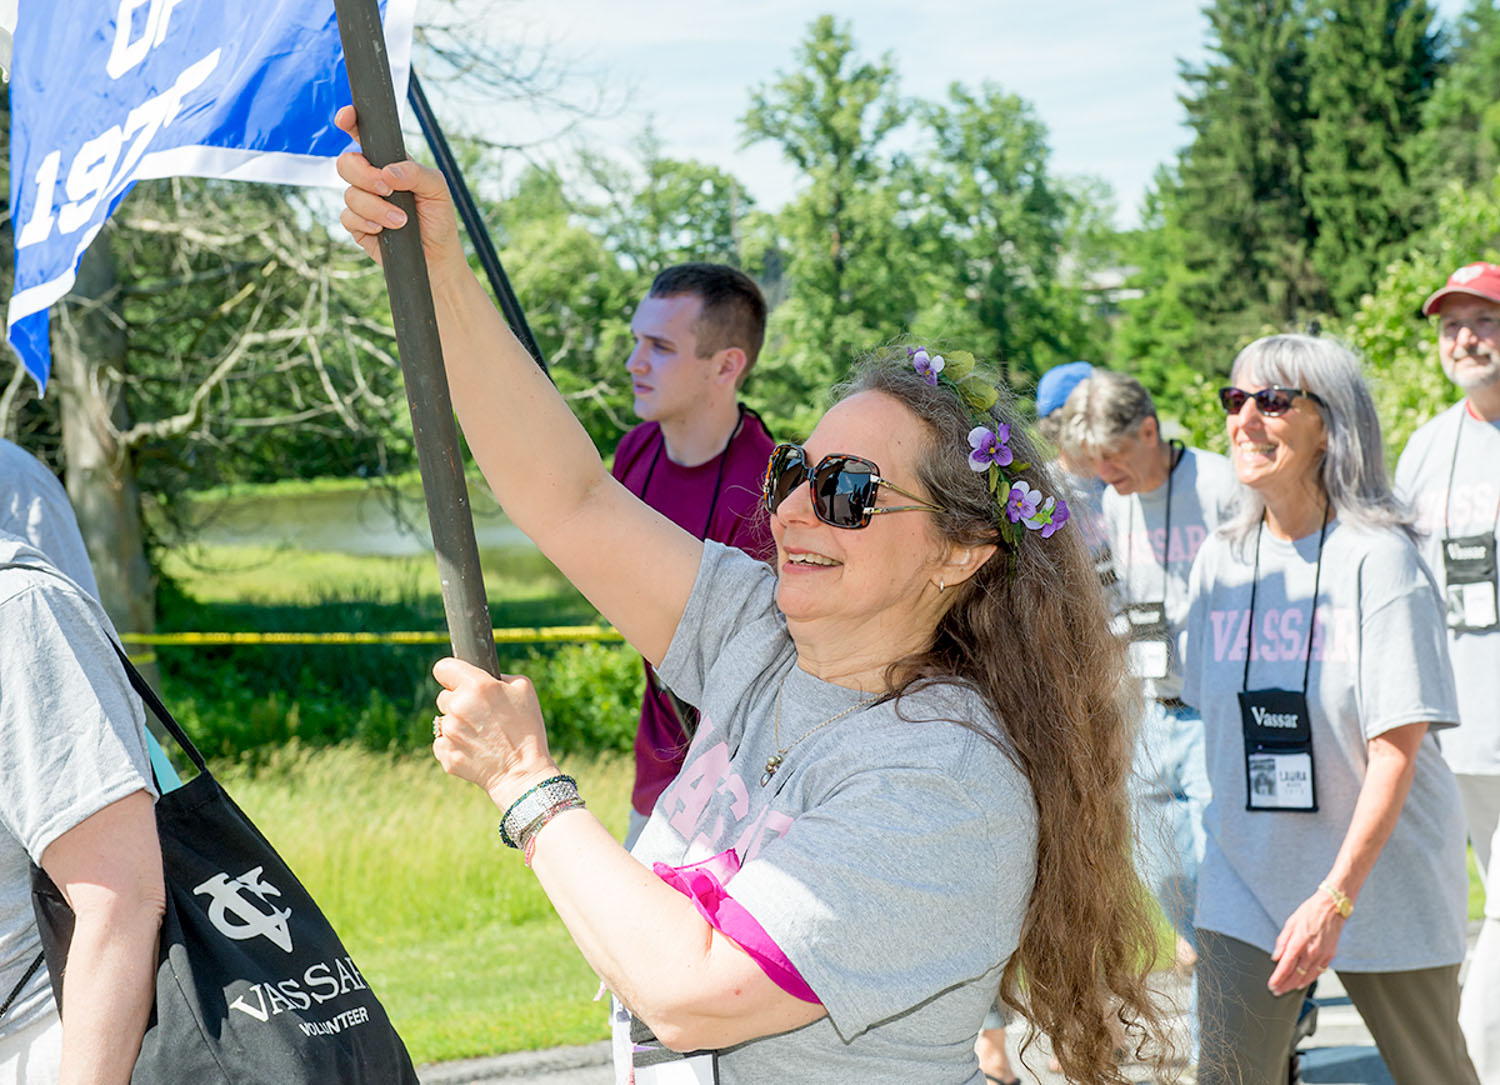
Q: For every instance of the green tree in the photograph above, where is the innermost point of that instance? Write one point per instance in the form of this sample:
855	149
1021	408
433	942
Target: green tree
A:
1460	136
1399	345
579	300
998	227
1236	255
655	211
847	269
1372	66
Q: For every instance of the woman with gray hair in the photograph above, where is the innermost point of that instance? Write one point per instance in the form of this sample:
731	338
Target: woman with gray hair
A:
1315	650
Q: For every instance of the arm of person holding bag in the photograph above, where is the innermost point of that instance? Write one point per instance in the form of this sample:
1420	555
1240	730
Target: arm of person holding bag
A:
633	564
108	867
1309	938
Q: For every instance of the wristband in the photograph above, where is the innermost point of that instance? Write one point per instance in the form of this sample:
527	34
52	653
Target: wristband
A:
528	836
533	805
1342	904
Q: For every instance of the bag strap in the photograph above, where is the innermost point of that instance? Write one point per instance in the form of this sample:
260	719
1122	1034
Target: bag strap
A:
16	990
159	710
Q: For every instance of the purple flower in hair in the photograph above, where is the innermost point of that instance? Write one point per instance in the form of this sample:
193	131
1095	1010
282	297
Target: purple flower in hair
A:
928	365
989	447
1059	517
1022	504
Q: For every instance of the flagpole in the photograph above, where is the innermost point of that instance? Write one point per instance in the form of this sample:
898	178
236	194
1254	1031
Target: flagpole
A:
468	210
433	429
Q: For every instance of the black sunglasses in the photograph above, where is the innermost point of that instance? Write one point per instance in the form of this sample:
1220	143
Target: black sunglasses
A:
1269	401
844	488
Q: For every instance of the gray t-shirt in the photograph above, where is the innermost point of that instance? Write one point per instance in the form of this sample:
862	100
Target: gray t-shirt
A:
73	743
1472	505
1150	568
1379	661
35	507
890	859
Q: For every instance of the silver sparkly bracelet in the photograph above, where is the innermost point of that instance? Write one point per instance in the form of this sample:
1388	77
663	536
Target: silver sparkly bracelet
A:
533	806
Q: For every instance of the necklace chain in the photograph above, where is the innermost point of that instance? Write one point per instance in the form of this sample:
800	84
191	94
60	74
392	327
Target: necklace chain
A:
774	761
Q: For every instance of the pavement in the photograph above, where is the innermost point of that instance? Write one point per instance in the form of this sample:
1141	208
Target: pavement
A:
1341	1052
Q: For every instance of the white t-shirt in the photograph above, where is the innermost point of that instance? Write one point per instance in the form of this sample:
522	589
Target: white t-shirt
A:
890	859
1470	507
1379	661
1149	567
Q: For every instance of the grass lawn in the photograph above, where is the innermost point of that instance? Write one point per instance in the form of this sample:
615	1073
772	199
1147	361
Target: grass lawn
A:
449	926
523	587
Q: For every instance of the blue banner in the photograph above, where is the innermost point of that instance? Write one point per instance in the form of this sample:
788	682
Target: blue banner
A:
105	93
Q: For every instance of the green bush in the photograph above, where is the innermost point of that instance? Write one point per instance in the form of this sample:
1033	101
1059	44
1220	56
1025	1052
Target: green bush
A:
246	700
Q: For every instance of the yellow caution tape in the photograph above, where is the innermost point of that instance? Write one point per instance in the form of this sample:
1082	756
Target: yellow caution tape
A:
553	634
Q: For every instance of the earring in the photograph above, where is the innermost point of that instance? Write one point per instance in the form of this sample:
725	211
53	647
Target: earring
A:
941	585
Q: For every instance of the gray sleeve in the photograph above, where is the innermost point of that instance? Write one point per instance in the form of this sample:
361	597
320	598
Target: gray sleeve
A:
74	730
1189	650
1404	672
730	591
896	888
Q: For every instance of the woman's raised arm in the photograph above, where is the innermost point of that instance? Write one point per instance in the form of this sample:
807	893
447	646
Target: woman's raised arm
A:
632	563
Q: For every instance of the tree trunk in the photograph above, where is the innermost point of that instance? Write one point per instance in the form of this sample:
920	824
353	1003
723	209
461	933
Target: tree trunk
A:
88	349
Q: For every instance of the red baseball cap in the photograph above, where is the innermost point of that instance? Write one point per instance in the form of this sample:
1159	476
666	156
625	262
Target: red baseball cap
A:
1479	280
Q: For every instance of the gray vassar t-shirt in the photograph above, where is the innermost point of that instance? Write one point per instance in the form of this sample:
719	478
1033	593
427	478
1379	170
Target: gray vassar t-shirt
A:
1471	508
1147	563
1379	661
891	859
72	741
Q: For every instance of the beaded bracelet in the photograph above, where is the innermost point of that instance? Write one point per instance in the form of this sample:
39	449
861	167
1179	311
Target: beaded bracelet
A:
532	831
535	801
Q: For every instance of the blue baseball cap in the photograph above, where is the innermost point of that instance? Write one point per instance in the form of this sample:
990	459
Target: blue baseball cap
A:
1053	389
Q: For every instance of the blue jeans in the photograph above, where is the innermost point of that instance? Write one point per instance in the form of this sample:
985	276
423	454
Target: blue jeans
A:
1169	790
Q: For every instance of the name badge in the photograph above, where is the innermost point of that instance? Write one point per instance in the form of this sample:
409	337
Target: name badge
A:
1469	577
651	1062
1145	627
1278	751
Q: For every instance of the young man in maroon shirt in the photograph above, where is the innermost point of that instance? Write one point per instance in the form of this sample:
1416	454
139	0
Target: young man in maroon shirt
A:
698	456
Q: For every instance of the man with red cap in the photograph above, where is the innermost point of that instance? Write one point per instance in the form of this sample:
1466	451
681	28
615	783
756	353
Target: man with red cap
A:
1450	472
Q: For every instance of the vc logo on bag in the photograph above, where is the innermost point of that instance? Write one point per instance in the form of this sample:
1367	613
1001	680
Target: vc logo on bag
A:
239	918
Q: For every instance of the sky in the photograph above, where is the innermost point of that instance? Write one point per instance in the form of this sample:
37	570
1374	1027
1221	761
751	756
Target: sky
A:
1101	74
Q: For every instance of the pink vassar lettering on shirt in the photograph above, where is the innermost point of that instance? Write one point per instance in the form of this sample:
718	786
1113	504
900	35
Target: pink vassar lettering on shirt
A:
705	775
1149	546
1281	635
705	885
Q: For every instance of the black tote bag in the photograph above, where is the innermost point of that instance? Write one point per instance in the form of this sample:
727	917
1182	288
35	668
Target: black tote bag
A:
253	986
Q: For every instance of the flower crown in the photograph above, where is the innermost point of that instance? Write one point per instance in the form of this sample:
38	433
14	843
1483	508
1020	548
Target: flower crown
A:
988	448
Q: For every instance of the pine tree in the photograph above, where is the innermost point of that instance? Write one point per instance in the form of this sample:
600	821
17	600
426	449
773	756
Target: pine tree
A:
1460	137
1241	230
1372	65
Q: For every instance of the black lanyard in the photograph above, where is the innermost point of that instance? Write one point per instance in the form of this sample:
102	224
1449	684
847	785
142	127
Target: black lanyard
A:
1175	450
718	479
1312	618
1463	419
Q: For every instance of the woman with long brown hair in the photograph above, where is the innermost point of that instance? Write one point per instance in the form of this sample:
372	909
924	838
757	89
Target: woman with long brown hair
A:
907	790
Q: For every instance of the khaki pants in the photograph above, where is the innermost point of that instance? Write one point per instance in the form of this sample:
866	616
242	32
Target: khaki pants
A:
1246	1032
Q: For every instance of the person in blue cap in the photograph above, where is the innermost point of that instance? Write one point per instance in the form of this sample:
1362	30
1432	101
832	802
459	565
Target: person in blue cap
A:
1085	490
1052	392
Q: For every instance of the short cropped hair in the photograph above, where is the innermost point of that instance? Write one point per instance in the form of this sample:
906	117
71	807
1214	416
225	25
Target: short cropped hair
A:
1102	411
733	312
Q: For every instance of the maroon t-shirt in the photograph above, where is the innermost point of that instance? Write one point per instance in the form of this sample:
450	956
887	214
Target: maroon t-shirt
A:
717	500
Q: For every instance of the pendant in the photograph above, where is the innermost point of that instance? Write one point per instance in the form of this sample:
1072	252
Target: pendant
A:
772	764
